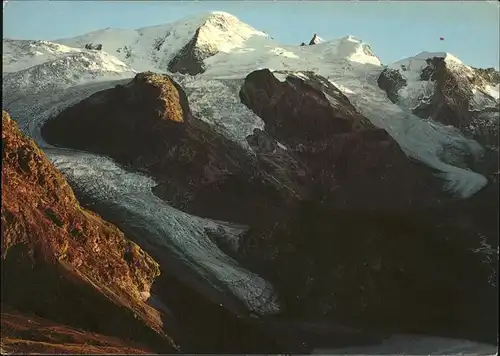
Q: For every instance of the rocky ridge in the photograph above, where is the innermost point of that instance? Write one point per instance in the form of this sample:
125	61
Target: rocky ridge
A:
75	263
452	93
27	334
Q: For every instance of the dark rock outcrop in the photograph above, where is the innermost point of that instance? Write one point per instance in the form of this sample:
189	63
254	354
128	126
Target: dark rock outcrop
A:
369	247
314	40
97	47
353	164
190	58
391	81
452	102
63	262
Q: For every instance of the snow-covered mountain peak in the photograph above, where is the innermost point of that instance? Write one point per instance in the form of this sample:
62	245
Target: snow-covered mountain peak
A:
224	32
315	40
415	64
448	57
223	19
217	47
351	49
420	69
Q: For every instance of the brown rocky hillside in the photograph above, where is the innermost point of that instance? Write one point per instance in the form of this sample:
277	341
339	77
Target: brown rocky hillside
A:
63	262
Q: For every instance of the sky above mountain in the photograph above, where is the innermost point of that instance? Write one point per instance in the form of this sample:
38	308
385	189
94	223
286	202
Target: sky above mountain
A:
393	29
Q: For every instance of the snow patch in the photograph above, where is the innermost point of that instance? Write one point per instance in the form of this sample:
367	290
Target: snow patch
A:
493	91
280	76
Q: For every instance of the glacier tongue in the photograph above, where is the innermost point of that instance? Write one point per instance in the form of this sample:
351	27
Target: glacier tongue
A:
129	194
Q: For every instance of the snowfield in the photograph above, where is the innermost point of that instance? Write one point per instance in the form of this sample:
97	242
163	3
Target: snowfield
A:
21	54
67	71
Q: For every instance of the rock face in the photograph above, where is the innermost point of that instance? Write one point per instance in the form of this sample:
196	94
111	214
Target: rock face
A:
490	75
391	81
453	102
314	40
65	263
190	58
357	255
457	95
351	163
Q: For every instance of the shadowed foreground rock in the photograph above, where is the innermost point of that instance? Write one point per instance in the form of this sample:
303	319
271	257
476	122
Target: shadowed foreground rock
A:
63	262
376	246
27	334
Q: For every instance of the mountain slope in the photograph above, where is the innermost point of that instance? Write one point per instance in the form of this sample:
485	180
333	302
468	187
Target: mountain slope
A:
64	262
439	87
21	54
25	334
66	71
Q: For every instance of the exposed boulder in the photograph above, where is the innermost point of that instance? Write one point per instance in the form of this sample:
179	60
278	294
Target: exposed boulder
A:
65	263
